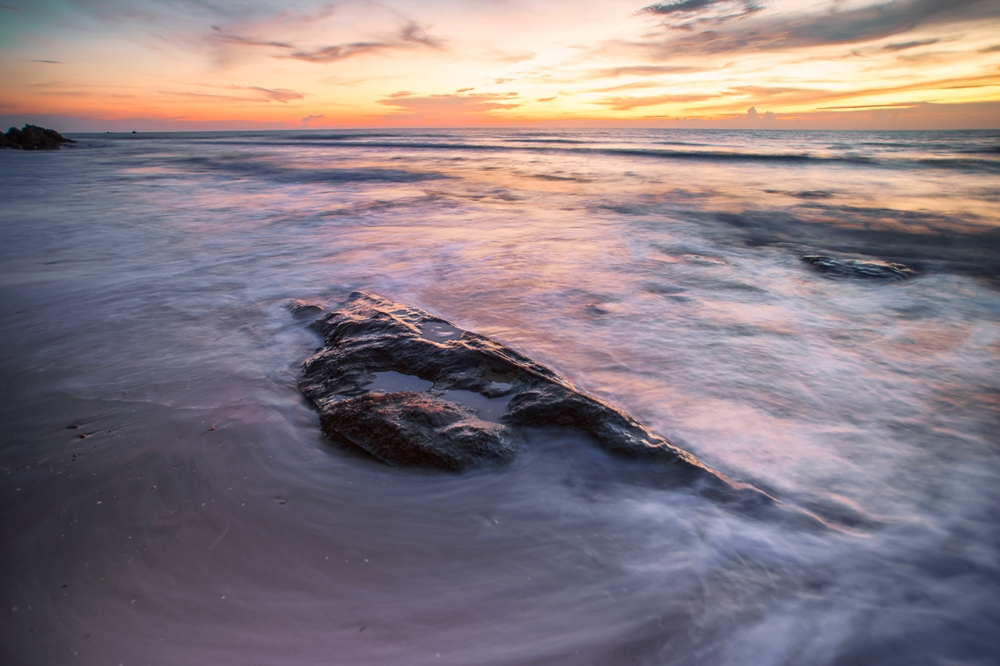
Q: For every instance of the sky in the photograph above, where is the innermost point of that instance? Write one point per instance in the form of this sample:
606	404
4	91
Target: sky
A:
118	65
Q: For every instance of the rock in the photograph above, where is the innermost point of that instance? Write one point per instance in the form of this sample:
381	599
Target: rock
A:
32	137
417	430
863	269
304	309
413	389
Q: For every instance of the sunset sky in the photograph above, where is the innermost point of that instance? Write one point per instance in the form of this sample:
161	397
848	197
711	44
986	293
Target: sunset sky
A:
213	64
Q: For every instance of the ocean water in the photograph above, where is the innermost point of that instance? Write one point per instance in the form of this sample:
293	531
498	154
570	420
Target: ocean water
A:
205	519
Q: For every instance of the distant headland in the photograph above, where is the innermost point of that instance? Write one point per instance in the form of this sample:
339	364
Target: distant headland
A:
32	137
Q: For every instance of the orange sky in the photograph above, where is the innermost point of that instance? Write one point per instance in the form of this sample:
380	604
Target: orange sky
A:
192	64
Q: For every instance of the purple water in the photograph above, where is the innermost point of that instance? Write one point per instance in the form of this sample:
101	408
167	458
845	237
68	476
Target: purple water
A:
142	289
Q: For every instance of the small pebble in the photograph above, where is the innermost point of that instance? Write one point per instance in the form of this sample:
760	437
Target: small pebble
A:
72	427
83	436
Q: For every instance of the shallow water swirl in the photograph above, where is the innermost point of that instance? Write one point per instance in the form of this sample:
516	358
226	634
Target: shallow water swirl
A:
196	514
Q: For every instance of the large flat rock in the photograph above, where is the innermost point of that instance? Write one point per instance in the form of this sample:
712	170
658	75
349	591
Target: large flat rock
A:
413	389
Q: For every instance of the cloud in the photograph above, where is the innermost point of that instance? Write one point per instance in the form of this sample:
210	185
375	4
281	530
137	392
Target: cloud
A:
818	96
452	103
754	117
279	94
897	105
629	103
282	95
209	96
685	14
641	70
835	26
338	51
309	119
50	62
902	46
239	40
415	34
508	57
635	85
408	36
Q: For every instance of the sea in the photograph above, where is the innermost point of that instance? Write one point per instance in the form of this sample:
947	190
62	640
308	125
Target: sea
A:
167	496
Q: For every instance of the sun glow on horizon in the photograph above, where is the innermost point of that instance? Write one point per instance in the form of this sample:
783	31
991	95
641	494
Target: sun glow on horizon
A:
708	63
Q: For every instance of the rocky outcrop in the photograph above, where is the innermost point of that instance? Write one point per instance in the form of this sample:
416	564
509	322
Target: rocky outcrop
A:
862	269
32	137
417	430
412	389
303	309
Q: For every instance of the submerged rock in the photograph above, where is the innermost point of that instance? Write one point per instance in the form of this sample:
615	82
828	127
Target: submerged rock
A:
32	137
864	269
304	309
413	389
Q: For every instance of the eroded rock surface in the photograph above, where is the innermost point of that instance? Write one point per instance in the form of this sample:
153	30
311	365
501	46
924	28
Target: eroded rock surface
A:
412	389
303	309
862	269
417	430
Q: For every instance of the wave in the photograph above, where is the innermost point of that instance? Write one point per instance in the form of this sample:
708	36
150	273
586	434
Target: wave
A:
568	146
628	152
569	141
302	175
962	164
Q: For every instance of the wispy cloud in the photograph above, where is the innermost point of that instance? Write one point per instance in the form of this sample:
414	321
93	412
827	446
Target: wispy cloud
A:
823	98
635	85
628	103
897	105
338	51
835	26
641	70
408	36
309	119
902	46
49	62
416	34
282	95
685	14
209	96
452	103
240	40
278	94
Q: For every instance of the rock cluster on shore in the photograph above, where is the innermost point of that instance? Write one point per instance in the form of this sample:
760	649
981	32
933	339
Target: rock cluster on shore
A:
411	389
32	137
